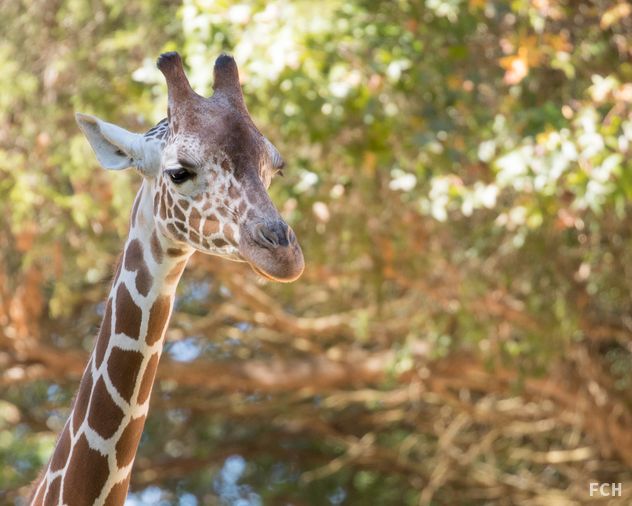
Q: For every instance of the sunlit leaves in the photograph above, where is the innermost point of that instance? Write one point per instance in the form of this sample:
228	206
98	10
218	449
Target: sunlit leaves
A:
458	175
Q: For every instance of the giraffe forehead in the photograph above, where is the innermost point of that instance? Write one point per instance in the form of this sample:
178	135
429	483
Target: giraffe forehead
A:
216	128
184	146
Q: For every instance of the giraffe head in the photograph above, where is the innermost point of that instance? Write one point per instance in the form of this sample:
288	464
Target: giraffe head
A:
209	170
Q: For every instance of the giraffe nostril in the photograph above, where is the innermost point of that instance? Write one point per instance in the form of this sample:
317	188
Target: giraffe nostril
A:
265	236
284	235
272	235
290	235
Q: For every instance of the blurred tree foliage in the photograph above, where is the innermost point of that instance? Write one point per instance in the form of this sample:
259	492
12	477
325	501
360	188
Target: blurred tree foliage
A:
459	177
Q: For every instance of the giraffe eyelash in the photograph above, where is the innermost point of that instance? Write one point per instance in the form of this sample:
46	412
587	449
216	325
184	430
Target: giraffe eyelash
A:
279	166
179	175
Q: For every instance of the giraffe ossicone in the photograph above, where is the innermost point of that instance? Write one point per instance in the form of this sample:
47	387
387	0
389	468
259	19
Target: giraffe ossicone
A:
206	169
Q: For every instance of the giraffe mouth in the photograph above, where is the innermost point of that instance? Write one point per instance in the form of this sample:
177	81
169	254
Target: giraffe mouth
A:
283	277
275	257
265	275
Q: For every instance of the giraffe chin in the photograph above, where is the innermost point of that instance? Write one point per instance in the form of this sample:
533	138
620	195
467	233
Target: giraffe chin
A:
269	277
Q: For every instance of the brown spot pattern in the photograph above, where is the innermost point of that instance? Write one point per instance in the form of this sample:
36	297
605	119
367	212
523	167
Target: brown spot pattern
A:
158	318
135	261
104	416
163	210
84	491
174	230
133	255
143	279
220	243
52	496
128	314
175	252
62	449
178	213
211	226
184	204
225	165
195	218
233	192
156	249
123	369
229	234
148	378
81	402
117	495
182	227
104	334
128	442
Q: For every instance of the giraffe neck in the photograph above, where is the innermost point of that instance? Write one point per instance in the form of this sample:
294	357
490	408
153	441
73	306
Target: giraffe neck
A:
93	457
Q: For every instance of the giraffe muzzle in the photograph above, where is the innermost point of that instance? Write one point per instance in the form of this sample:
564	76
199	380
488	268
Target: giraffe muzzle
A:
271	249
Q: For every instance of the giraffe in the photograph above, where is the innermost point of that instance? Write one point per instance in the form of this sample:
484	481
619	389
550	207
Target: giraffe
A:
206	169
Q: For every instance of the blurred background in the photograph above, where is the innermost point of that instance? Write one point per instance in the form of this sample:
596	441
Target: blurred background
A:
459	177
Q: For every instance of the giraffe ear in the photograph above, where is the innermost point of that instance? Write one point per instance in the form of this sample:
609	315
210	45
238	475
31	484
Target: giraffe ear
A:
117	148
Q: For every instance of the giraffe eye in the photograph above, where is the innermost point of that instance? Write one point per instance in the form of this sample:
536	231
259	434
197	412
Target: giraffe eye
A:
179	176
